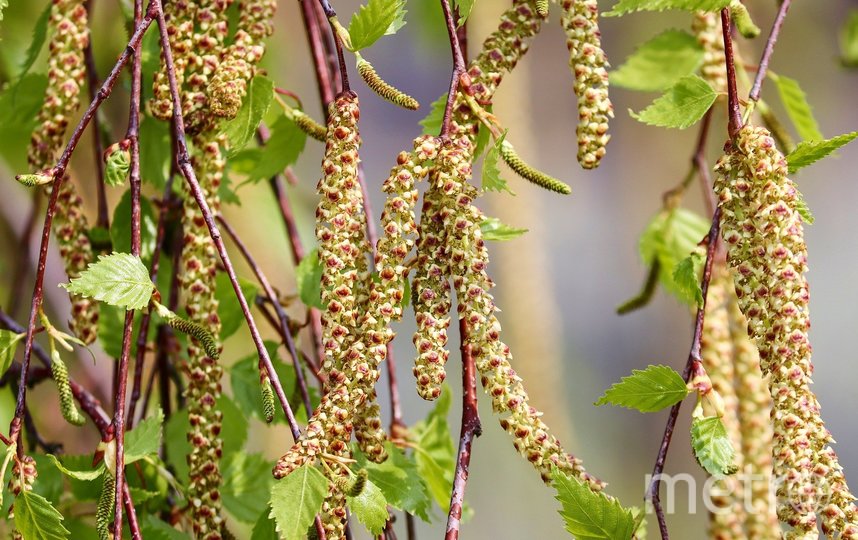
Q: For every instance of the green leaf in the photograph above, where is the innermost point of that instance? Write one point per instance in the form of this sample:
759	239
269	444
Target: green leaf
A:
809	152
377	18
681	106
491	178
231	316
431	123
712	446
648	390
145	439
399	481
309	278
37	519
154	151
686	277
296	499
282	149
120	227
465	7
153	528
797	107
265	528
246	483
628	6
241	129
590	515
670	237
370	507
660	62
120	279
84	476
494	230
849	40
8	344
435	453
803	210
117	166
19	109
40	31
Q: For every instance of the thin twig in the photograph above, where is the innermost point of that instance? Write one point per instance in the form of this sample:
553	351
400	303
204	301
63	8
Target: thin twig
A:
768	50
132	135
735	115
458	67
693	355
315	39
281	313
183	161
470	428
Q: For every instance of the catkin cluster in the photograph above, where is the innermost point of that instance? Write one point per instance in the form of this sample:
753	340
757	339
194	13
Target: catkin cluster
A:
66	71
23	476
580	20
764	236
706	26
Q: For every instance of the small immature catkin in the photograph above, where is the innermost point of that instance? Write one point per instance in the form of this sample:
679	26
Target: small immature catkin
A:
740	16
104	509
268	403
353	485
580	20
763	232
206	339
60	373
511	158
309	126
33	180
383	89
542	8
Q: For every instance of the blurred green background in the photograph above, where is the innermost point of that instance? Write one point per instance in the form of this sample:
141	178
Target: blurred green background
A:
559	284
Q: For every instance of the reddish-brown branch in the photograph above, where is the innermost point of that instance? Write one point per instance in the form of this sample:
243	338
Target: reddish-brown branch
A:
768	50
285	333
59	176
103	219
693	355
183	161
470	428
132	136
735	114
458	67
315	39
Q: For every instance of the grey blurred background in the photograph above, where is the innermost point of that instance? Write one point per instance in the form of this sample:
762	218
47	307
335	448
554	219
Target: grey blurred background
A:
559	284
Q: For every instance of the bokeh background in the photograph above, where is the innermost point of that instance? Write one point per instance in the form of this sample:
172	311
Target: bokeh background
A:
559	284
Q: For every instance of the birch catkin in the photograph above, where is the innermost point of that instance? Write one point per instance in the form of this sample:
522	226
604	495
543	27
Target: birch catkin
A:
764	236
706	26
66	71
580	20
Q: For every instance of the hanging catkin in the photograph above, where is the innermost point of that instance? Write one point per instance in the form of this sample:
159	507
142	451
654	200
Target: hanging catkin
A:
763	231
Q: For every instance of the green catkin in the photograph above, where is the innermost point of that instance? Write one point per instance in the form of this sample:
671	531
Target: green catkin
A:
104	509
707	29
268	403
542	8
755	407
383	89
742	19
726	522
33	180
511	158
763	232
309	126
60	374
203	336
580	20
23	477
353	485
66	70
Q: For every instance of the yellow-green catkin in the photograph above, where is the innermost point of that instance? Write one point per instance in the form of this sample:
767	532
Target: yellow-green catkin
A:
542	8
23	476
580	20
104	509
229	84
309	126
755	408
511	158
763	232
197	279
381	87
340	230
706	26
60	374
727	518
268	403
66	71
